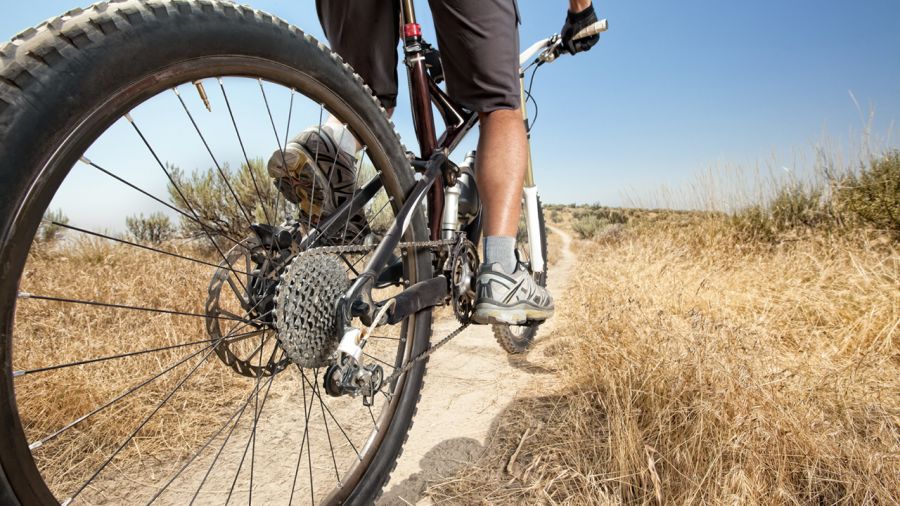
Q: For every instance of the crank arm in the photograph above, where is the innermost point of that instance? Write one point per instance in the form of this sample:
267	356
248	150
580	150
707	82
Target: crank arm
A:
422	295
357	300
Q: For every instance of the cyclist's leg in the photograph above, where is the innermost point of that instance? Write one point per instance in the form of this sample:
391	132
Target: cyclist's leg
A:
479	48
366	33
317	168
479	44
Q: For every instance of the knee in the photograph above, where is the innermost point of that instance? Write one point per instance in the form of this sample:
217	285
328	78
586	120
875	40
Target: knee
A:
500	115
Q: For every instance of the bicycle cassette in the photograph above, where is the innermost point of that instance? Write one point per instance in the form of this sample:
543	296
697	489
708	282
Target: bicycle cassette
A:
305	308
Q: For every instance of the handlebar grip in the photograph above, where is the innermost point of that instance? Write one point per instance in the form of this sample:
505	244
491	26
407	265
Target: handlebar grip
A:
594	29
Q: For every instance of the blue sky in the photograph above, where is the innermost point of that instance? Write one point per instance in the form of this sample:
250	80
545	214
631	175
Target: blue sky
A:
678	88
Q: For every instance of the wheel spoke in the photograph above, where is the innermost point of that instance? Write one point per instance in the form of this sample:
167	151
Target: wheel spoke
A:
26	295
228	437
400	339
316	393
41	442
258	349
256	411
383	207
287	127
380	361
142	424
233	339
316	165
252	436
136	245
238	414
337	475
281	148
193	219
304	440
211	155
237	132
362	156
177	189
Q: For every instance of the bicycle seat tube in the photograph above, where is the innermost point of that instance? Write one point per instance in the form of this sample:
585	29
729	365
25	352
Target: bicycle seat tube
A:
423	116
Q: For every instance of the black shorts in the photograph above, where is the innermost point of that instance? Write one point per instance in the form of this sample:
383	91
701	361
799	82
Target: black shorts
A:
478	40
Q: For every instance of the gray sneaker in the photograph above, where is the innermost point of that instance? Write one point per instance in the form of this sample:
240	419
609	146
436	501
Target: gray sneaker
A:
318	175
511	299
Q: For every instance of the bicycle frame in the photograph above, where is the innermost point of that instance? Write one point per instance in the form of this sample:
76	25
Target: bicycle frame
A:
434	152
425	93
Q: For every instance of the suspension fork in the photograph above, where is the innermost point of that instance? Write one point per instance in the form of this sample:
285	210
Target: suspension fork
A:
530	196
423	116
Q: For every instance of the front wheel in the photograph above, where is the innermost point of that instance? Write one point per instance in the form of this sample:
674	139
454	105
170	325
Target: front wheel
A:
517	339
143	243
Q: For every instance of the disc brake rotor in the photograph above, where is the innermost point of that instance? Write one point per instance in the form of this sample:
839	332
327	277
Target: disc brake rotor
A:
244	283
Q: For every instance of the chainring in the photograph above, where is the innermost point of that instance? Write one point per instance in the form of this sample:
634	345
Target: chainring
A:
464	264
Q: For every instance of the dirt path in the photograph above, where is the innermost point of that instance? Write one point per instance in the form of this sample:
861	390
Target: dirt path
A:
469	383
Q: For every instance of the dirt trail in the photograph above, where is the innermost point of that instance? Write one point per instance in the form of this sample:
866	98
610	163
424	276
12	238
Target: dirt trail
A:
469	383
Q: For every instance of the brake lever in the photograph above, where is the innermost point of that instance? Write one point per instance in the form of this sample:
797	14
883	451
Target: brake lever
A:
553	50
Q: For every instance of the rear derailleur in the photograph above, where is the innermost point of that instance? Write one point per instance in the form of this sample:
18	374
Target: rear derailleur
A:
350	376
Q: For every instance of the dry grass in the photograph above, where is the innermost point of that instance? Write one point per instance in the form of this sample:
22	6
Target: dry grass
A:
697	369
694	367
51	333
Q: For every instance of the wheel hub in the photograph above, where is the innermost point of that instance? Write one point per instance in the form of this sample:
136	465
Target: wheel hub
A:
305	305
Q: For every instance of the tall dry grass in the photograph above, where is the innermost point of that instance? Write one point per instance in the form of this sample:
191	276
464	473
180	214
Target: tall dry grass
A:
695	367
54	333
202	403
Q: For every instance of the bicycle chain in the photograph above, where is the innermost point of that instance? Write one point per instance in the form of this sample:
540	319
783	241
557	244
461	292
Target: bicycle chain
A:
422	356
327	250
331	250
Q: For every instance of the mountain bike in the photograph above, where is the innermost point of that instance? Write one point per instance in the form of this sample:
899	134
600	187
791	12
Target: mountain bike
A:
256	355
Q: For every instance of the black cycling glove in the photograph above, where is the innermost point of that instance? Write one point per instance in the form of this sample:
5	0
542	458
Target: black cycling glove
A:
575	22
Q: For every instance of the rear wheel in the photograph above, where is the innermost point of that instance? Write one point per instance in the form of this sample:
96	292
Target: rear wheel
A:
139	354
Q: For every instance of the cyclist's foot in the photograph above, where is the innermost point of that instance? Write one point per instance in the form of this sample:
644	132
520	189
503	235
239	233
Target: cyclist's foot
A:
511	299
318	175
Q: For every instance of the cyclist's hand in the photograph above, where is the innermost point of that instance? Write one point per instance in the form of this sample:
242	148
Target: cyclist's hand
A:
575	22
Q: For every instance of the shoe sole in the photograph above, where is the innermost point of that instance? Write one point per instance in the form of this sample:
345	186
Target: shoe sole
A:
492	314
300	181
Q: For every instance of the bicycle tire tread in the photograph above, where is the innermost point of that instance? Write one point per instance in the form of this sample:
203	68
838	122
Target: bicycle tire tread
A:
35	54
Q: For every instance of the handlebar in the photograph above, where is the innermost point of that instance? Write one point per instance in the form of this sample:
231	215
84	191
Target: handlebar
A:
551	48
596	28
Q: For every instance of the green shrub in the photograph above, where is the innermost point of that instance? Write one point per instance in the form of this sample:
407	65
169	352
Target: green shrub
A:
588	227
753	224
153	229
614	216
872	197
795	207
869	198
209	196
798	206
